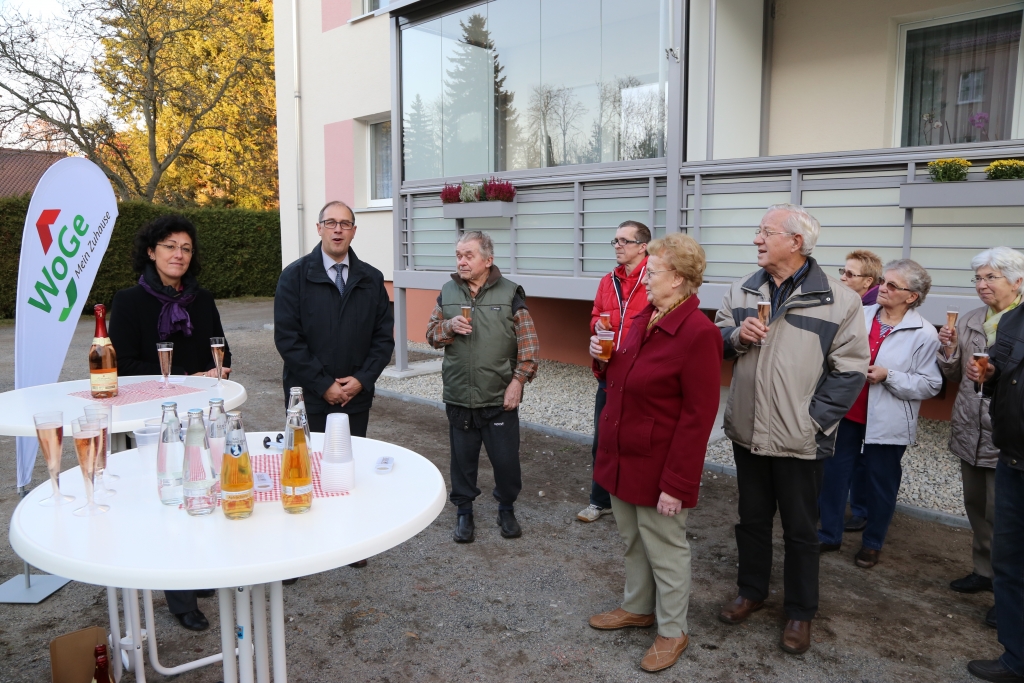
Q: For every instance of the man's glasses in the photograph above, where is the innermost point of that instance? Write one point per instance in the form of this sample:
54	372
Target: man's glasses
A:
622	241
331	224
990	279
185	249
850	273
766	233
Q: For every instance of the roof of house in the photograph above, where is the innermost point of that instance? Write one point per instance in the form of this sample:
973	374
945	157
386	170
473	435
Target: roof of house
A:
21	169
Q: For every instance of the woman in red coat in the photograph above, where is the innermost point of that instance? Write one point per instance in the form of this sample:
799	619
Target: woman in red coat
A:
663	393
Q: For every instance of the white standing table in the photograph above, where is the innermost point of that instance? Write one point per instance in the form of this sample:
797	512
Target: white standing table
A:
244	559
17	407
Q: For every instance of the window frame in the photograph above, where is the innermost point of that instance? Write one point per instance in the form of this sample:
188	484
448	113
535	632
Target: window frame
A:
1017	127
370	201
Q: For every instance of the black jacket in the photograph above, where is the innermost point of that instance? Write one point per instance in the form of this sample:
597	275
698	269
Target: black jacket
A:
1007	388
322	335
132	329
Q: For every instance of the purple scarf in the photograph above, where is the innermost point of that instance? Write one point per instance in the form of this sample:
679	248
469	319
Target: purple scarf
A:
870	297
173	316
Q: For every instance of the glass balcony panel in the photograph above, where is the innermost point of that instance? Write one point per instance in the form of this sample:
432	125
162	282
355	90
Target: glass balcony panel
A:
467	110
422	101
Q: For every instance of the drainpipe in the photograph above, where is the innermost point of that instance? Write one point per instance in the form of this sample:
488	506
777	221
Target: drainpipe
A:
712	40
298	125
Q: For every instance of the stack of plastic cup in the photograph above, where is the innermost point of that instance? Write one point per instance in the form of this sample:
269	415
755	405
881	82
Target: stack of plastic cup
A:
337	469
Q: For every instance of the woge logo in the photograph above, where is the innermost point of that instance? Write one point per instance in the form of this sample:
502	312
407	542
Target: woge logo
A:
69	245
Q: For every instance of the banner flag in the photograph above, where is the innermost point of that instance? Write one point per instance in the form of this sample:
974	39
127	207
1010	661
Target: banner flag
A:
67	230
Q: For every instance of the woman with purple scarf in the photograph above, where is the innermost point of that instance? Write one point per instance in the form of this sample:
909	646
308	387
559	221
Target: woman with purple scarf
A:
168	305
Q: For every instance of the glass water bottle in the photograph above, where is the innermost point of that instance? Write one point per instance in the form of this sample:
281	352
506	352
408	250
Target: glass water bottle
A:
197	474
216	432
169	456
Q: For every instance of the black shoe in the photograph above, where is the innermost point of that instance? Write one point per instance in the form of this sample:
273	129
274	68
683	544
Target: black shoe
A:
193	621
464	528
358	565
828	547
855	524
206	593
972	583
289	582
509	526
990	617
993	670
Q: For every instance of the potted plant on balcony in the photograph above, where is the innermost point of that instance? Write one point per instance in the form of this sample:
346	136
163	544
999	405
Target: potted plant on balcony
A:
949	187
492	198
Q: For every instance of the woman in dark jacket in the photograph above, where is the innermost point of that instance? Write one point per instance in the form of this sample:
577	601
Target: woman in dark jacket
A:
663	394
168	305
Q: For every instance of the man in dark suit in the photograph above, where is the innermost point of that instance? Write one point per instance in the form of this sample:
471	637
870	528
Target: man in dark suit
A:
333	324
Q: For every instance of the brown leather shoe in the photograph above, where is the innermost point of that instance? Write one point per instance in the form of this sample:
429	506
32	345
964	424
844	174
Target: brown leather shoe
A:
664	653
738	610
620	618
866	558
796	637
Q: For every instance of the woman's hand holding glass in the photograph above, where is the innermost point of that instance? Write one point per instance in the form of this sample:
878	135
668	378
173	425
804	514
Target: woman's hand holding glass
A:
595	350
948	339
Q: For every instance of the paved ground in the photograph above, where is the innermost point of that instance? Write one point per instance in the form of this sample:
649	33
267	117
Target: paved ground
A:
516	610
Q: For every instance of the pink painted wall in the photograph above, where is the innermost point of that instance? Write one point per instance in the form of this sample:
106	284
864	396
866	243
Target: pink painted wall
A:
339	162
334	13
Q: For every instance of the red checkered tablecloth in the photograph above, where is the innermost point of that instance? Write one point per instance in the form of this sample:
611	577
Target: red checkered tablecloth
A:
271	464
139	392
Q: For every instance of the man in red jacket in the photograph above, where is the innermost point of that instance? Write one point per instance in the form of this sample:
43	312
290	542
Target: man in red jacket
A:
621	295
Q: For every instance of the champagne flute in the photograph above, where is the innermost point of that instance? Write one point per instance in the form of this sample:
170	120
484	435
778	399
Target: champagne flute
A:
764	314
952	313
217	348
87	446
981	360
165	351
100	490
50	432
94	411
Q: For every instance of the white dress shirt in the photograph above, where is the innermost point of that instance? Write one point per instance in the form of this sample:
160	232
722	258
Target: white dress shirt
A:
329	267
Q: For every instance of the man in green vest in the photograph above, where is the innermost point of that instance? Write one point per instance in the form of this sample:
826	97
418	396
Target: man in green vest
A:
489	355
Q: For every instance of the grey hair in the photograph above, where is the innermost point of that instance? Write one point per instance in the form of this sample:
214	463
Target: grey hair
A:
1009	262
485	241
918	279
799	222
335	202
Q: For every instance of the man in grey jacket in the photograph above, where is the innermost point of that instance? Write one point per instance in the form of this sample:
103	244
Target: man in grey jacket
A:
793	380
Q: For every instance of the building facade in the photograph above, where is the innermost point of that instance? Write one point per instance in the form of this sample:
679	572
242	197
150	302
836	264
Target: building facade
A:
689	115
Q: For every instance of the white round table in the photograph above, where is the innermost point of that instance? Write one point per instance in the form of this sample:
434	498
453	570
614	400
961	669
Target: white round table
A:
172	550
18	406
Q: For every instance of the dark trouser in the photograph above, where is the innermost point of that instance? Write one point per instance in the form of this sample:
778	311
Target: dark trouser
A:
883	473
498	431
791	486
180	602
598	496
357	422
858	491
1008	565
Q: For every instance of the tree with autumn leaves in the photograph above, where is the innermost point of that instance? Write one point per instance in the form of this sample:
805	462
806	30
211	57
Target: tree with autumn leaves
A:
173	100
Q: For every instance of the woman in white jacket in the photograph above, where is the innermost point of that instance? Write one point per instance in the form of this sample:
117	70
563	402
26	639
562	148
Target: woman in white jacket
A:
883	419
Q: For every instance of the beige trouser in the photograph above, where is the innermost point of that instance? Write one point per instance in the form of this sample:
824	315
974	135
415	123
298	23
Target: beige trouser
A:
980	503
657	565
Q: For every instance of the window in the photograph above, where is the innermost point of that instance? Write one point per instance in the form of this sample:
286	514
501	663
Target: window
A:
517	84
373	5
380	163
962	79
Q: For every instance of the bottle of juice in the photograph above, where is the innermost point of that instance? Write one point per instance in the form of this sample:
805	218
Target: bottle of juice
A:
197	474
236	480
296	470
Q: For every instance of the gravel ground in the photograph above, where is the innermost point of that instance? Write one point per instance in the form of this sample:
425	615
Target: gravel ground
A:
516	610
562	396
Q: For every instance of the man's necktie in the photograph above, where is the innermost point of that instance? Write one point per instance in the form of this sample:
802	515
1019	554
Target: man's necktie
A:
339	281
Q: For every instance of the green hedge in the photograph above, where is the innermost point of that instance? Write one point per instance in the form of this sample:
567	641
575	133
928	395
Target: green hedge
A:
241	250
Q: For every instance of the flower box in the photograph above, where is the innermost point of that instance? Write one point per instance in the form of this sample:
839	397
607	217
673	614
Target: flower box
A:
480	210
967	193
